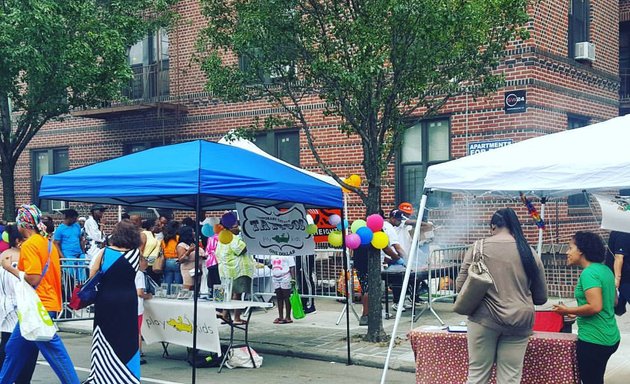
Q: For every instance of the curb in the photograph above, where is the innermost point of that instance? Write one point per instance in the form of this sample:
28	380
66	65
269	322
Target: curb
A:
284	350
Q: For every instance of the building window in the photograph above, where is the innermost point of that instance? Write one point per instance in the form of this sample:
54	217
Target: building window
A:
149	61
424	144
285	145
579	14
130	148
47	162
578	200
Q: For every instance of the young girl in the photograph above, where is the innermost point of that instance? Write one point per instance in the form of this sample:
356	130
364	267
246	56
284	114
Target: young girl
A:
283	276
141	288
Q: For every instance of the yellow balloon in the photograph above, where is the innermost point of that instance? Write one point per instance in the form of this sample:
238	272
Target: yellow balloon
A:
380	240
335	238
225	236
354	180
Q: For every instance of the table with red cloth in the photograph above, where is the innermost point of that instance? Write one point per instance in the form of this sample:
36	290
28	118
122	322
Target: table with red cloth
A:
442	357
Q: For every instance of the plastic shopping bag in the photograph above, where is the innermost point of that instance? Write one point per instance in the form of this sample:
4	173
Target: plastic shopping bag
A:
35	322
296	304
239	357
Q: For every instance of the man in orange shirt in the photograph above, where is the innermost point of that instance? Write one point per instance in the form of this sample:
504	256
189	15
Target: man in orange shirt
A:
39	260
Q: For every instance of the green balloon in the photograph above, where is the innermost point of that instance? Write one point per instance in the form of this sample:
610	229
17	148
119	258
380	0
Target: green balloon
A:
5	236
311	229
357	224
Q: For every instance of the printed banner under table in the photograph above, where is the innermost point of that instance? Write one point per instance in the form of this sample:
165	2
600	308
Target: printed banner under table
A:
171	321
442	357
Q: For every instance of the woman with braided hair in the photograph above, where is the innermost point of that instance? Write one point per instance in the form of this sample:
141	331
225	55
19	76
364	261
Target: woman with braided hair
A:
498	331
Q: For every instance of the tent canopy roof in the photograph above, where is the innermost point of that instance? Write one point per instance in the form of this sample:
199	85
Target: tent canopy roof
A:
173	176
592	158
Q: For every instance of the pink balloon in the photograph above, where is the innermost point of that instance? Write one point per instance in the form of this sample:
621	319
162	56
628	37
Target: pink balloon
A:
353	241
375	222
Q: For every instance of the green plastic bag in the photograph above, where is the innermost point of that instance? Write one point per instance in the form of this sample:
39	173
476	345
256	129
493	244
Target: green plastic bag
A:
296	304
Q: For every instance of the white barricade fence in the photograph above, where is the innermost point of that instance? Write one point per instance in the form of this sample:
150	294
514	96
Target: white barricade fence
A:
316	275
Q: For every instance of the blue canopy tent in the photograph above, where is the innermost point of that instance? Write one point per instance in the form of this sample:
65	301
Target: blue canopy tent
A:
197	175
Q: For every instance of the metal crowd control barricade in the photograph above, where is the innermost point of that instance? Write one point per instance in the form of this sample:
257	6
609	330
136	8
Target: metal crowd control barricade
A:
73	271
316	275
443	267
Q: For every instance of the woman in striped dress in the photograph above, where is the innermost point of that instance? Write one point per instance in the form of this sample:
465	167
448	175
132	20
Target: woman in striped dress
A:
115	353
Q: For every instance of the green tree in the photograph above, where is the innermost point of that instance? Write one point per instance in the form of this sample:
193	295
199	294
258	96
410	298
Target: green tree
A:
59	55
375	63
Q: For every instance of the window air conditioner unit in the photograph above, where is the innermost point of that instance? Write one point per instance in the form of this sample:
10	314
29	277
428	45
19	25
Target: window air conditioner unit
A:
585	51
57	205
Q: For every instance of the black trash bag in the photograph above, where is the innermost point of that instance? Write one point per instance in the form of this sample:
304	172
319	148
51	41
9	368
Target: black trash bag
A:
203	359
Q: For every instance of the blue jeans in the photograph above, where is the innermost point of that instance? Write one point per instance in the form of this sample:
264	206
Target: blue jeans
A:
172	273
21	351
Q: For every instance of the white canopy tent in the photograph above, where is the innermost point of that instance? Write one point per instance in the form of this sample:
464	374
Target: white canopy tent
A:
592	159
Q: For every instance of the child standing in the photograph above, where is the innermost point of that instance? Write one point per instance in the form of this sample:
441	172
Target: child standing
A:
283	276
141	288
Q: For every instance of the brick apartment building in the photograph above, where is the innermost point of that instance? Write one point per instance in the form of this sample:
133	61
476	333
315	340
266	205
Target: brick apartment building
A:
570	73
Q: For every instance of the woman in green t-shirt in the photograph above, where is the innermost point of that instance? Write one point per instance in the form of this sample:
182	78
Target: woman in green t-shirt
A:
598	334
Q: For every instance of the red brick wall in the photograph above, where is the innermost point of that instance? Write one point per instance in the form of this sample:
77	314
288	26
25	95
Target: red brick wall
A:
556	87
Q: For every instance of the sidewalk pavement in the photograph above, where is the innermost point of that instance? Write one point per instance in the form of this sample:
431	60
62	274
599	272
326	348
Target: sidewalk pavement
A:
318	337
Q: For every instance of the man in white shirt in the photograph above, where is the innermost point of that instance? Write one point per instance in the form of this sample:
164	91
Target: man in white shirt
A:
94	232
394	254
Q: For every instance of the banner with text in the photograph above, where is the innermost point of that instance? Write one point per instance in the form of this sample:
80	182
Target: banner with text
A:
321	218
170	320
268	231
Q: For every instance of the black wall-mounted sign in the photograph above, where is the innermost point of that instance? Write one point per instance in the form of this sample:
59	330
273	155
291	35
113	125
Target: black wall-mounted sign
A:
515	102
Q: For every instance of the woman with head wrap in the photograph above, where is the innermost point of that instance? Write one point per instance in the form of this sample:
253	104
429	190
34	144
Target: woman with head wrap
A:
39	260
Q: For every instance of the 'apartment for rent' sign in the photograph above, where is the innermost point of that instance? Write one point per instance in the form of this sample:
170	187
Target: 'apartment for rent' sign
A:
485	146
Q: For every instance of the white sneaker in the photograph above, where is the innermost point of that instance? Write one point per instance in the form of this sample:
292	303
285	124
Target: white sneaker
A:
395	308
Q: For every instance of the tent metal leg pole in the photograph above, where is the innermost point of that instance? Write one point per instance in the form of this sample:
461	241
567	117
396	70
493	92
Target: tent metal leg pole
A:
196	286
343	311
401	300
346	271
540	230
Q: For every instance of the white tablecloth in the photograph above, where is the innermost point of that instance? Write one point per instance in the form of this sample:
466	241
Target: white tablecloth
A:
171	321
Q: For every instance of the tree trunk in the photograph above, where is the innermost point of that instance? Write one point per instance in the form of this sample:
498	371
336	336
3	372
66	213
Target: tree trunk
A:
7	167
375	333
7	172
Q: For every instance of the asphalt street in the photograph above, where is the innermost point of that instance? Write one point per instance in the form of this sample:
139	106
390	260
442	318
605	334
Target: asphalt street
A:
275	369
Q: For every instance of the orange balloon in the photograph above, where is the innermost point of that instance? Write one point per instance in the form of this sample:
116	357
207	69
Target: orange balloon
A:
218	228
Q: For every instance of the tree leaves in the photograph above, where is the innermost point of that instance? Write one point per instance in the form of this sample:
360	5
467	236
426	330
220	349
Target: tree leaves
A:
58	55
375	62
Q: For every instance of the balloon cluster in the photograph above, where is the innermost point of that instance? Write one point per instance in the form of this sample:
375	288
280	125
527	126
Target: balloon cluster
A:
363	232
